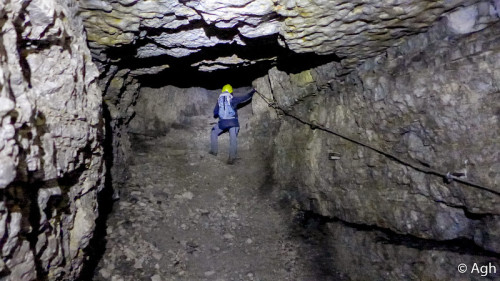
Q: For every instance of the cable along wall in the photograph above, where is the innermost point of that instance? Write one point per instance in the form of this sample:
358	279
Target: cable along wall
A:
433	106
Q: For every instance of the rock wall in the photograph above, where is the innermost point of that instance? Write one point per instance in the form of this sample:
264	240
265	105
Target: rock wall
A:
158	110
50	141
432	101
120	90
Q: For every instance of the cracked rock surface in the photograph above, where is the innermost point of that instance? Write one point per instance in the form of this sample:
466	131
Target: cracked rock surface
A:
50	141
431	102
353	30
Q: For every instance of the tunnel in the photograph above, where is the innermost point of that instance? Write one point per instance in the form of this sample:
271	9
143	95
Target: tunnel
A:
365	145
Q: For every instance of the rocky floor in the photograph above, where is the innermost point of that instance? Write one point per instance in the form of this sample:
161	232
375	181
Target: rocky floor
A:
187	215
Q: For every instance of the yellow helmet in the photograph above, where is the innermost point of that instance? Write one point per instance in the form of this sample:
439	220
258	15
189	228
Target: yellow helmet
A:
227	88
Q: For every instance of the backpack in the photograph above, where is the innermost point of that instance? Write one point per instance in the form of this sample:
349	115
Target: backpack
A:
226	111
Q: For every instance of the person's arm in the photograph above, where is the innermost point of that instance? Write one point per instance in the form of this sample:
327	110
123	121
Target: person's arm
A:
245	98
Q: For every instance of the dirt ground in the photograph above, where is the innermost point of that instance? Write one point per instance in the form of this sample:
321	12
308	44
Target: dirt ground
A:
187	215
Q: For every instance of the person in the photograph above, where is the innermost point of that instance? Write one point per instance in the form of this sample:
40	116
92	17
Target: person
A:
226	111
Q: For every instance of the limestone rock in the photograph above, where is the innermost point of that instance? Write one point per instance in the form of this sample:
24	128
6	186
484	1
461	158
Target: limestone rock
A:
7	171
50	138
423	107
173	107
353	30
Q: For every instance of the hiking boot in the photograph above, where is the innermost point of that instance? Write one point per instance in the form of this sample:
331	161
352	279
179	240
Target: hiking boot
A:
231	161
213	153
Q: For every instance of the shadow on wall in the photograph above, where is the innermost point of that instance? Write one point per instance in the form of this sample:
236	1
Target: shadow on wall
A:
308	230
182	74
97	244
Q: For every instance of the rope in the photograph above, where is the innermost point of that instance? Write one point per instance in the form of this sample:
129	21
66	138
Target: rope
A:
448	177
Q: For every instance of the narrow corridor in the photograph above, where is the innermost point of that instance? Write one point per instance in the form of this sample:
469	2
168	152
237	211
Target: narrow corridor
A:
187	215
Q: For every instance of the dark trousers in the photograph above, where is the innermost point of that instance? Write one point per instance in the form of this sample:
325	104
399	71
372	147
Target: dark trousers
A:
233	140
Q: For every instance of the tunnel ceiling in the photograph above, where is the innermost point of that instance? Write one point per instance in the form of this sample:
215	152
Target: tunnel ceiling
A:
207	35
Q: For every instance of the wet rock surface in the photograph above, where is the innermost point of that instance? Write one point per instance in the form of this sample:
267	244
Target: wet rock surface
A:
187	215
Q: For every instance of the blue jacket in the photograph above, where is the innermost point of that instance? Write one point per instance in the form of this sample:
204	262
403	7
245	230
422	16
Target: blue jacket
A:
225	124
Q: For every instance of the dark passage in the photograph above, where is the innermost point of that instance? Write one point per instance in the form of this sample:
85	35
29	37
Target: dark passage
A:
187	215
